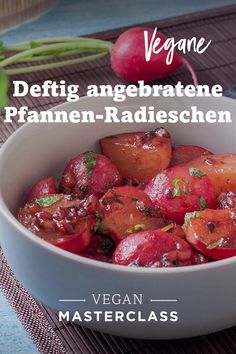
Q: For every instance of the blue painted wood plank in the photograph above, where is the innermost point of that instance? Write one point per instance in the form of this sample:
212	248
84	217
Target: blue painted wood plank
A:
13	338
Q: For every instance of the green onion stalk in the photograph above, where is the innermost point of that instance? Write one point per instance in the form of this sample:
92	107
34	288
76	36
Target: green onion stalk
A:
36	52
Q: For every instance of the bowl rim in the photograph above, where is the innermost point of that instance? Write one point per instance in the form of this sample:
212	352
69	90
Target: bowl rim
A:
5	213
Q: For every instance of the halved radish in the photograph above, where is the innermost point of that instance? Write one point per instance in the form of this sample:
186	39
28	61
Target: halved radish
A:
153	249
126	210
179	190
89	173
80	240
185	153
43	187
139	156
221	170
212	232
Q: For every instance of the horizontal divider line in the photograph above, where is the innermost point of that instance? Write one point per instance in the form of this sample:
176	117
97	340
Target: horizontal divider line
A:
72	300
164	300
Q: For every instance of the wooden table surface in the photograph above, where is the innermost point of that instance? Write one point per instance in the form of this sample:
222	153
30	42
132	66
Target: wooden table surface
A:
85	16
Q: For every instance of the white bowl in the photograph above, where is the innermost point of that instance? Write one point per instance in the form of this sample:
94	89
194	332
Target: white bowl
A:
205	294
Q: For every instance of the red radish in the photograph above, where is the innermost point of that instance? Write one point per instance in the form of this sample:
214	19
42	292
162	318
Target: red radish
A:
89	173
129	63
179	190
43	187
221	170
52	216
139	156
131	55
185	153
154	249
126	210
212	232
80	240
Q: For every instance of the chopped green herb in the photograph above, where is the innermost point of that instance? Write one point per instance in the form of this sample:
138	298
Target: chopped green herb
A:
139	227
90	162
177	187
203	203
136	228
47	201
195	172
188	216
215	244
98	221
176	191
